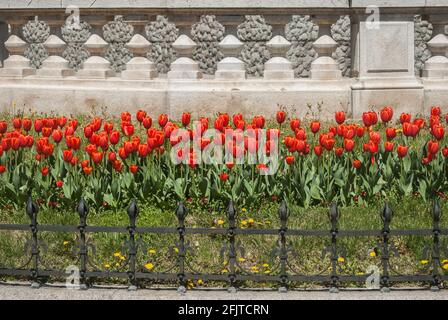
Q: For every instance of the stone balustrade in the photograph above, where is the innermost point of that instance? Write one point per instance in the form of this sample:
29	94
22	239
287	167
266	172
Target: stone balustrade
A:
205	59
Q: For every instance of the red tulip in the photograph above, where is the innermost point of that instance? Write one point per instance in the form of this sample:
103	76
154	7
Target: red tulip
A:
128	130
433	147
163	119
375	137
388	146
339	151
340	117
97	157
391	133
223	176
315	126
186	118
318	150
372	147
294	124
402	151
405	117
438	132
2	169
44	171
27	124
410	130
290	160
38	125
57	136
436	111
87	170
141	115
280	117
258	121
147	122
112	156
88	131
360	132
17	123
386	114
114	137
3	127
133	168
356	164
369	118
349	145
67	155
445	152
59	183
300	134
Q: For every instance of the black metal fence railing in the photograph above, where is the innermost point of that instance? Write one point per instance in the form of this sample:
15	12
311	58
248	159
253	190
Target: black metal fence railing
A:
283	275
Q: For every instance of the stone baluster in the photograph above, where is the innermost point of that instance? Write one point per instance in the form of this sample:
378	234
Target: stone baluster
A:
139	67
16	65
278	67
184	67
325	67
55	66
95	67
437	65
231	68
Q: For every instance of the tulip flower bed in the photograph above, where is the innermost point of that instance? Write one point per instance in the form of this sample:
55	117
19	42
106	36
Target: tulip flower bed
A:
111	161
360	165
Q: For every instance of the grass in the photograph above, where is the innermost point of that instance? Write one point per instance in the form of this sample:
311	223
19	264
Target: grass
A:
306	256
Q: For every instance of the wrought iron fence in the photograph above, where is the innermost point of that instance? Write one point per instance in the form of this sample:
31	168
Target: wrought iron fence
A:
283	274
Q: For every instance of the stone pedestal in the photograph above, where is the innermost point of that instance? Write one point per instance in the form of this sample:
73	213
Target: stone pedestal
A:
55	66
437	66
139	67
16	65
184	67
325	67
278	67
95	67
230	68
384	59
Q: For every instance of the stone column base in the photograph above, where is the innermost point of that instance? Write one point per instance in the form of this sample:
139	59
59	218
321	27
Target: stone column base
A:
17	66
139	68
278	68
184	68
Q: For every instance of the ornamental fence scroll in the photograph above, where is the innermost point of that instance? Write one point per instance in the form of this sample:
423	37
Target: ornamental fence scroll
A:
284	274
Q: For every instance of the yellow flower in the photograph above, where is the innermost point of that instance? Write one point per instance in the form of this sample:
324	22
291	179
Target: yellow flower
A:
244	210
224	270
341	260
176	250
122	258
254	269
117	254
241	259
360	273
152	251
445	266
251	221
445	261
265	265
107	266
372	254
424	262
220	222
200	282
117	264
66	243
190	284
225	263
149	266
267	271
244	222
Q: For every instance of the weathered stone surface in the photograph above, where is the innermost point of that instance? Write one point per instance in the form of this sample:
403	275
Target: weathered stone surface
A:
325	67
75	37
207	33
301	31
341	33
184	67
437	65
117	33
162	33
35	33
423	31
278	68
254	32
231	68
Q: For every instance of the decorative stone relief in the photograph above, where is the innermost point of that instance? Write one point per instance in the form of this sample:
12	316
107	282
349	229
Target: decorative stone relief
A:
118	33
254	32
75	37
35	33
423	31
162	33
301	31
207	33
341	33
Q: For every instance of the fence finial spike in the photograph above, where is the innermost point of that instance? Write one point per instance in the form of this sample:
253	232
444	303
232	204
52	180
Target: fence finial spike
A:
31	208
181	210
436	211
334	212
133	210
283	212
82	208
386	215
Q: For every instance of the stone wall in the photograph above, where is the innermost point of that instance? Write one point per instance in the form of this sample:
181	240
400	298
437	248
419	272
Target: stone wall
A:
170	51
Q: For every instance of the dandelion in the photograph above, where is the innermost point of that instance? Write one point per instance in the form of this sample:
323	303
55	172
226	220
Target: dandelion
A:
117	264
254	269
152	251
265	265
66	243
220	222
241	259
424	262
341	259
244	223
176	250
372	254
244	210
267	271
107	266
224	271
149	266
200	282
117	254
190	284
251	221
